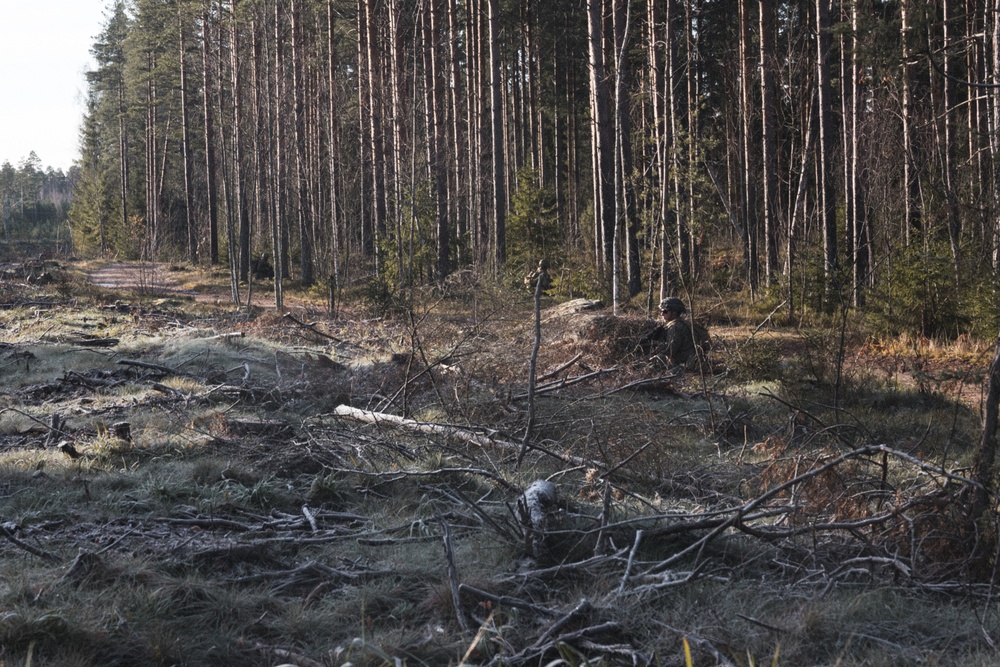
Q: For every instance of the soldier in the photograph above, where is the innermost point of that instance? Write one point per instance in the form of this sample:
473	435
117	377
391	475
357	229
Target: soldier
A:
531	280
682	343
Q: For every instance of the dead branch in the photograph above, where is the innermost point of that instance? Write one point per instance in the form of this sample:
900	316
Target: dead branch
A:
207	522
311	327
532	366
165	370
567	382
379	418
35	551
94	341
506	600
559	369
449	555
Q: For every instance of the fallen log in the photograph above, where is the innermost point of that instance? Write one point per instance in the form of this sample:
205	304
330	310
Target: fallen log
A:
379	418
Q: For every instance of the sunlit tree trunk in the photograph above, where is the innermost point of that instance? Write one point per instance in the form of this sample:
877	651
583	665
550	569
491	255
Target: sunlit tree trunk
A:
827	148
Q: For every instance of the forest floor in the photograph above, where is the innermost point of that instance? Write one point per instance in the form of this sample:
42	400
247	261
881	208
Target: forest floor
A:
183	482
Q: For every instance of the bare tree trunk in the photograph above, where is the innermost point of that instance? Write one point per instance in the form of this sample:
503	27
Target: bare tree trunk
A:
458	140
601	140
279	229
239	169
496	122
438	117
769	125
306	267
826	187
334	149
858	208
210	167
911	214
375	129
191	235
661	134
751	232
947	150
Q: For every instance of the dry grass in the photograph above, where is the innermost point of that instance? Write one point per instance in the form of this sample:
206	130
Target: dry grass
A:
245	524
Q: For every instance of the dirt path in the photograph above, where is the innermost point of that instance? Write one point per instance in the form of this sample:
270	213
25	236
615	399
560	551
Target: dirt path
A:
149	279
156	280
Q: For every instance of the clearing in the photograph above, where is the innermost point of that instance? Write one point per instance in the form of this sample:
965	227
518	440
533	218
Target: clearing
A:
183	483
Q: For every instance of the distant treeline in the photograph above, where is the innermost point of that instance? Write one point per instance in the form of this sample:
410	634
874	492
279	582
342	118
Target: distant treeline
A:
34	201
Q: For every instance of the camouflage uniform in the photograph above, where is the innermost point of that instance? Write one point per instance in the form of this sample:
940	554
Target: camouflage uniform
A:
678	346
531	280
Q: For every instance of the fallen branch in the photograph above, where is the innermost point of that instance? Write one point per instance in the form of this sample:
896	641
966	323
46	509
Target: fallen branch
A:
567	382
506	600
153	367
41	553
380	418
559	369
311	327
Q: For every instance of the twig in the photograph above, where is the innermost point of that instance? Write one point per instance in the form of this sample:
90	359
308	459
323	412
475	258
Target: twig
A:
453	576
631	559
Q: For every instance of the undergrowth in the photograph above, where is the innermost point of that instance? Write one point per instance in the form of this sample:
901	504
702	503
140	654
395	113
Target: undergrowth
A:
797	503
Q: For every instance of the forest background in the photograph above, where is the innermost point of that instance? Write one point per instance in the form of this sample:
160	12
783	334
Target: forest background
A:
813	154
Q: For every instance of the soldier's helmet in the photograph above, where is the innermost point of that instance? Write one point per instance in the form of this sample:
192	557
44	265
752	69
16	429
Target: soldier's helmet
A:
543	265
672	303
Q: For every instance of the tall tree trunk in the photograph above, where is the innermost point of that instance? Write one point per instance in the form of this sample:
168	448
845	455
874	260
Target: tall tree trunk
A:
333	155
212	203
456	151
911	213
827	150
375	128
858	208
947	149
769	125
191	234
239	168
279	224
601	139
439	117
751	232
306	267
656	46
496	123
624	197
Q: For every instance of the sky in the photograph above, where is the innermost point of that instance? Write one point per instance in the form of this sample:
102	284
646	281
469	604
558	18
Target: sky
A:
44	53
